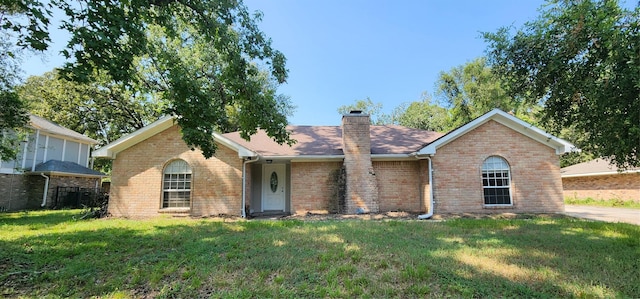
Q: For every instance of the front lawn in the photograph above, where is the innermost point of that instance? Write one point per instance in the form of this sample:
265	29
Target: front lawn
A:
610	203
50	254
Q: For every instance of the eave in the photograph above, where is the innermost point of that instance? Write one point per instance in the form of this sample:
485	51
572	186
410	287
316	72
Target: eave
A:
599	173
112	149
559	145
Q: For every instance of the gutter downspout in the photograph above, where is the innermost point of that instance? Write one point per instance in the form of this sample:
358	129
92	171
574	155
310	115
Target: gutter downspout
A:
430	213
46	190
243	213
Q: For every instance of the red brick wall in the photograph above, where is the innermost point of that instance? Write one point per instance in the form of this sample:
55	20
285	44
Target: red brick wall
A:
313	186
399	185
136	184
536	185
624	186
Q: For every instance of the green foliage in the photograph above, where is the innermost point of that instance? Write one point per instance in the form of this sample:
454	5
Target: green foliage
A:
29	19
581	60
102	109
472	89
200	56
53	254
367	106
13	116
424	115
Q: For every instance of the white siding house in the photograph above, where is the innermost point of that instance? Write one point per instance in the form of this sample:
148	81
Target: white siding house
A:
51	156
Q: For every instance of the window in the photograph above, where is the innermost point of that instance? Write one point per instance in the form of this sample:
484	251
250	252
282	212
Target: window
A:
176	185
496	181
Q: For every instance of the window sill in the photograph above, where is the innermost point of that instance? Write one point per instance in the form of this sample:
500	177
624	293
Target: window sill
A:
175	211
505	207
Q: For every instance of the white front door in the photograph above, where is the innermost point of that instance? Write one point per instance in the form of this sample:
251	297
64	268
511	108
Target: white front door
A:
273	187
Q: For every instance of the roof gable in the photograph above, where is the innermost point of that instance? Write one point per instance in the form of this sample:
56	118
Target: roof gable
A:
112	149
561	146
52	128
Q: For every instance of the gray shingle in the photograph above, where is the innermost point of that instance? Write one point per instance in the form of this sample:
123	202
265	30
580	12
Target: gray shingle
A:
53	128
596	166
66	167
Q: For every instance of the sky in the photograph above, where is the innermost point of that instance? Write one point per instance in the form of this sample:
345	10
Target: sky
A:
341	51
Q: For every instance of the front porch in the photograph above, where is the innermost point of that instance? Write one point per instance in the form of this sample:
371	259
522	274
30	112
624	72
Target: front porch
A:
268	189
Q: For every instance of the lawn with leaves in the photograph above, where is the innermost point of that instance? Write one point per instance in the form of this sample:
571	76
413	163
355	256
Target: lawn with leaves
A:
50	254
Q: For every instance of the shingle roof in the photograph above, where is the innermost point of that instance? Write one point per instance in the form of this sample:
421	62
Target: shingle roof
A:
42	124
593	167
327	140
66	167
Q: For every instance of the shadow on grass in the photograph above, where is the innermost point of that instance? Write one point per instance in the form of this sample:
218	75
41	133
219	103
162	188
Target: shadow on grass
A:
194	258
39	217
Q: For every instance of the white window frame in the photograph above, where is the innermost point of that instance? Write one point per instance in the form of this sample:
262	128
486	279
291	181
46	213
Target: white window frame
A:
180	181
497	166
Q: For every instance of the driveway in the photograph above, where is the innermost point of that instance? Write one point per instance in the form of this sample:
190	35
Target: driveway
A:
604	214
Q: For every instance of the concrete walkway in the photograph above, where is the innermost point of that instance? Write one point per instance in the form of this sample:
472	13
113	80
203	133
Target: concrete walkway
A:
604	214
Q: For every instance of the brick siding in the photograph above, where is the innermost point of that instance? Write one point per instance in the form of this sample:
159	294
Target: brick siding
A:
136	186
362	187
536	185
313	187
400	185
20	192
24	191
56	181
625	186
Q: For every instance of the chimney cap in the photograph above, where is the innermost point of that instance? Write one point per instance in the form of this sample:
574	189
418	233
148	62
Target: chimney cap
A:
355	112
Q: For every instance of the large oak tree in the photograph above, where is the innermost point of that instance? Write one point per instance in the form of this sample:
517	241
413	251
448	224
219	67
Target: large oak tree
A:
581	60
112	38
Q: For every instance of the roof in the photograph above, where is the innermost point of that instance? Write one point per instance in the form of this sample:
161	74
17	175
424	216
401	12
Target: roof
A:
52	128
594	168
66	168
561	146
112	149
327	141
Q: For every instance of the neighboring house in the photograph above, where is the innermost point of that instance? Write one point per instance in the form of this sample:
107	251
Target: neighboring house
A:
598	179
496	163
51	158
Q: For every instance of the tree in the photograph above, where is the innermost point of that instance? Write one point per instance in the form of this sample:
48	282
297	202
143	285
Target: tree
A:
423	115
109	38
367	106
472	89
12	118
101	109
581	60
13	114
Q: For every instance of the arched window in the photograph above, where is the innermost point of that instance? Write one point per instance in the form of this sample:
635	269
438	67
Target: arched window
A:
176	185
496	181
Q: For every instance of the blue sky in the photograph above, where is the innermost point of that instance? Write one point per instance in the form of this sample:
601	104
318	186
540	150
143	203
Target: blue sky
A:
342	51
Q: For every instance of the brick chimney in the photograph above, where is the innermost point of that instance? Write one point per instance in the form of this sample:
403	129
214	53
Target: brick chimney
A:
361	184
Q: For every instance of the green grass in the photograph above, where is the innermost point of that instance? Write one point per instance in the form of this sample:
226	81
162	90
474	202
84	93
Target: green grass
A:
49	254
612	203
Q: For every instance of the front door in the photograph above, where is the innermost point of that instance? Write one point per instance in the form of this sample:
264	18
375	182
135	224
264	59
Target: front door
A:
273	187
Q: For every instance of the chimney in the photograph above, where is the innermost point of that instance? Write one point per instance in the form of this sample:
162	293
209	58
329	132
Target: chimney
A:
361	184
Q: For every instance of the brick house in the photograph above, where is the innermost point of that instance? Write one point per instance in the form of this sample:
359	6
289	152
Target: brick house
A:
496	163
598	179
51	158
